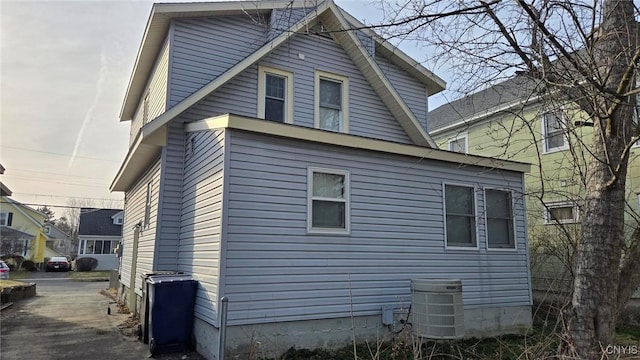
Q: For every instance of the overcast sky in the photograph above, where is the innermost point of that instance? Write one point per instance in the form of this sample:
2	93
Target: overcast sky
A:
64	69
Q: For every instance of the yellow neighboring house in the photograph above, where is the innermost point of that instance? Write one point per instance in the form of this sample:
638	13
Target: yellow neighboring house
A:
27	220
510	121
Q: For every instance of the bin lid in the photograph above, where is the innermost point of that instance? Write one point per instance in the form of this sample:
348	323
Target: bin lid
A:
158	279
146	275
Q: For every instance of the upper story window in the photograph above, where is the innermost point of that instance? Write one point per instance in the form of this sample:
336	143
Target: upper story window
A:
6	218
563	212
554	131
460	218
145	108
328	201
499	219
47	230
331	102
459	144
275	95
147	207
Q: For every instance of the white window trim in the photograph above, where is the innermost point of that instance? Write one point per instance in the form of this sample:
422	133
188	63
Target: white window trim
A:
559	204
345	98
262	73
513	219
464	136
543	127
347	200
475	210
6	218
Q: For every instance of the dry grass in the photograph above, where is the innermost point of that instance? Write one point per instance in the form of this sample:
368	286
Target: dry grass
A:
10	283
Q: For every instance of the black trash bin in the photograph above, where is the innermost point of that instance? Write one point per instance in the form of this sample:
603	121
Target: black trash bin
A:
144	306
171	302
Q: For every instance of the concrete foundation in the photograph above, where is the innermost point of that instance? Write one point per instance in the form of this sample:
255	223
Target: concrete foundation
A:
272	339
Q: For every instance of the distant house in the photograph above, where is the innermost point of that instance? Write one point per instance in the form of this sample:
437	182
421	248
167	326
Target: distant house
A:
14	242
284	162
27	220
99	232
58	240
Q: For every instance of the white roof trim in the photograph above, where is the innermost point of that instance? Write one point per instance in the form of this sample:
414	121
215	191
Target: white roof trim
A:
485	114
379	81
158	26
434	83
19	206
234	71
351	141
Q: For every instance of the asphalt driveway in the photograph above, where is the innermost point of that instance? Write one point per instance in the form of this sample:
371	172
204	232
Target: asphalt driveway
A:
68	320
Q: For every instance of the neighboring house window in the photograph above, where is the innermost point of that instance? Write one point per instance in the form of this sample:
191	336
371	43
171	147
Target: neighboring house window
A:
147	207
328	201
459	144
47	230
118	221
460	210
275	95
499	219
97	247
6	218
331	102
565	212
553	127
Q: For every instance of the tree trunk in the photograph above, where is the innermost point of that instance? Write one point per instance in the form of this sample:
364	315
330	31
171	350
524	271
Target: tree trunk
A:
592	320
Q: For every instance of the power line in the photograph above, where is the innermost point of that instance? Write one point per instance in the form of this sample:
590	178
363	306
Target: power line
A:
53	173
49	205
57	182
64	196
58	154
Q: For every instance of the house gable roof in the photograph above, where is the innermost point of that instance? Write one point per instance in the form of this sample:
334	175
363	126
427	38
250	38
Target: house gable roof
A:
11	233
151	137
98	222
25	210
502	97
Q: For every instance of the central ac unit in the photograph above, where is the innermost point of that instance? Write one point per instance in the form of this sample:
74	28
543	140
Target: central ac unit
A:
436	308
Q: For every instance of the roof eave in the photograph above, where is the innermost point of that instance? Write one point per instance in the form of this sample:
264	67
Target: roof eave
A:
371	71
433	82
158	27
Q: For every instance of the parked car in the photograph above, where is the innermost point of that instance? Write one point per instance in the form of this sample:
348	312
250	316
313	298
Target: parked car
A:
58	263
4	270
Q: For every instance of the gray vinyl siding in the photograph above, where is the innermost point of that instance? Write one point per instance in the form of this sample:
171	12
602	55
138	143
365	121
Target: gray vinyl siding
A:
157	90
201	223
368	116
282	19
204	48
169	209
275	271
413	92
134	209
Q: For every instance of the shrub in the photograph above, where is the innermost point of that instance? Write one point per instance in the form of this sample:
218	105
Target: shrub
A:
86	264
13	261
29	265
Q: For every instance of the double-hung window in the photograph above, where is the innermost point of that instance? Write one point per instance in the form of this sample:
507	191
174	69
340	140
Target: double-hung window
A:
275	95
6	218
331	102
499	219
460	210
458	144
563	212
554	131
328	201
